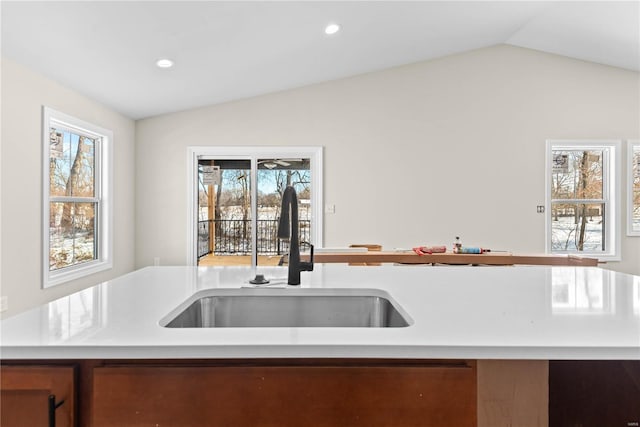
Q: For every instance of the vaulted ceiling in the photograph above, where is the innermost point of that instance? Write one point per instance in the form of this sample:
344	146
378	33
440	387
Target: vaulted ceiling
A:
225	51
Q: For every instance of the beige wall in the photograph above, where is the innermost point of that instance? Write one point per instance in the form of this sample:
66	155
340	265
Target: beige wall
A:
23	95
413	155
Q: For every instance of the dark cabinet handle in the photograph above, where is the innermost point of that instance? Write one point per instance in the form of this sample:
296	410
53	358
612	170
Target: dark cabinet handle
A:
52	409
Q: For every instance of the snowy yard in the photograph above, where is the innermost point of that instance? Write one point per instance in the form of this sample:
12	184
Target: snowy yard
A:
67	250
565	234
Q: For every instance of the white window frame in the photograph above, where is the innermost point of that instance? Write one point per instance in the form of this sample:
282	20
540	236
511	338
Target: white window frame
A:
194	153
631	144
103	183
611	195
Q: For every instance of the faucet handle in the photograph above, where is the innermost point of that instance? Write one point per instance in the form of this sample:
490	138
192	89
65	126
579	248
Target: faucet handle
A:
307	265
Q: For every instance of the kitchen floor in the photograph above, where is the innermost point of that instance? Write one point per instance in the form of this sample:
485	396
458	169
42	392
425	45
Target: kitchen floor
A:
212	260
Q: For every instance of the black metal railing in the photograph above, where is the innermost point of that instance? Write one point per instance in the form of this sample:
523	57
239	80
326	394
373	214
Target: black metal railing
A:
233	237
203	238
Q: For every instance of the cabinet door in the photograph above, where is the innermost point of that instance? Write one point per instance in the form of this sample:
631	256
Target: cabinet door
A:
594	393
285	396
25	396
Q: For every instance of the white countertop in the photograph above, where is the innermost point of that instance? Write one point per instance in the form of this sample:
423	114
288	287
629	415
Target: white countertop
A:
457	312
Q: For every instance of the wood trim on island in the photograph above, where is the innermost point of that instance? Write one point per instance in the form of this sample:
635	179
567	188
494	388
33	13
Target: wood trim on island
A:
453	259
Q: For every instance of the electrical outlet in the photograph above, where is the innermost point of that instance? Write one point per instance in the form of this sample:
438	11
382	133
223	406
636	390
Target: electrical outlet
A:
330	209
4	304
156	261
540	208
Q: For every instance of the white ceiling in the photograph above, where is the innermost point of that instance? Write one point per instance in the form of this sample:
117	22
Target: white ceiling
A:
225	51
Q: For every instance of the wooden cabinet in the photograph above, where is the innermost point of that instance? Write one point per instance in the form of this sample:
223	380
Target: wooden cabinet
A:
37	396
277	392
317	394
594	393
320	392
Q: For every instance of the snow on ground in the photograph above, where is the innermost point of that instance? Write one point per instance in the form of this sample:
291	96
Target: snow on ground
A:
70	250
565	234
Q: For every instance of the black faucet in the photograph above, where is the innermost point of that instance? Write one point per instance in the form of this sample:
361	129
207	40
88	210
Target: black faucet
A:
288	229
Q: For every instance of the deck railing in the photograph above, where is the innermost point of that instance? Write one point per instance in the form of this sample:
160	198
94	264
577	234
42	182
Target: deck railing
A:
233	237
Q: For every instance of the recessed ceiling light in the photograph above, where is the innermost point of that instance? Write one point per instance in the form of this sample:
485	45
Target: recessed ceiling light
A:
164	63
331	29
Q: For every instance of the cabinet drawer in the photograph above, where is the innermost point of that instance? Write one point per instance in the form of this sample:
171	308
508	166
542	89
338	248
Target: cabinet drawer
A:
284	396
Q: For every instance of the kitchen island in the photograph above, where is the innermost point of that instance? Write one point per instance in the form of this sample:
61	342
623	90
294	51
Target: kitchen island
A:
467	325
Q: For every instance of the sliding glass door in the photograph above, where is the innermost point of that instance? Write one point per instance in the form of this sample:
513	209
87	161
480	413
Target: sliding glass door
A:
238	203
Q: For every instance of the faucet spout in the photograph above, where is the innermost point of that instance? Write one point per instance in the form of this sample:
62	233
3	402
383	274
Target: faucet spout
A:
288	229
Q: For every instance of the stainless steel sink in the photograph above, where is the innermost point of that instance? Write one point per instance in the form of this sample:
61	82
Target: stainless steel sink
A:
254	308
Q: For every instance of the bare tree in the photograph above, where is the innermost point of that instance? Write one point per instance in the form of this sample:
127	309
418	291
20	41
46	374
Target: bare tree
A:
582	185
74	186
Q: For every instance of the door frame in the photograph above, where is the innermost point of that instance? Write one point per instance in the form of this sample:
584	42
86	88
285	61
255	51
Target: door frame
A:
253	153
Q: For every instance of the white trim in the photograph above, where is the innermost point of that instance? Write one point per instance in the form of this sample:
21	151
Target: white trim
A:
61	199
254	210
631	144
611	196
314	153
192	196
103	185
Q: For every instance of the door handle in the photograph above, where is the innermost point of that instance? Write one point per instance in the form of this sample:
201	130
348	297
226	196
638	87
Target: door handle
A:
52	409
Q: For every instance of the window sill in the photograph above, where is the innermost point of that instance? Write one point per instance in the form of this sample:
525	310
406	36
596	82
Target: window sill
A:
599	256
76	272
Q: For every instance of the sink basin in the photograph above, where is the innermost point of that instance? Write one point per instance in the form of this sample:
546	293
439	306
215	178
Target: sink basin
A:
254	308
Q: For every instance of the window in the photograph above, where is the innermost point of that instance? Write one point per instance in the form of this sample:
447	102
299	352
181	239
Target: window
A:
633	202
583	198
76	209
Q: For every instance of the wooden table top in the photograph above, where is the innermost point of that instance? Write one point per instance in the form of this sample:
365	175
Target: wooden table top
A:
406	257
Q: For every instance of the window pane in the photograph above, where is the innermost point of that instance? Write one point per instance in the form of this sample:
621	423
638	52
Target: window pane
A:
577	174
224	205
71	164
72	234
274	175
577	227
